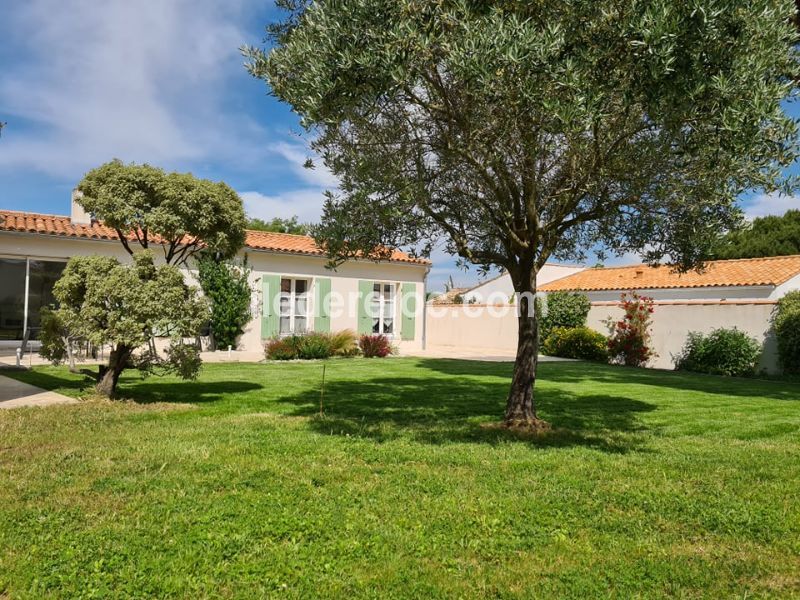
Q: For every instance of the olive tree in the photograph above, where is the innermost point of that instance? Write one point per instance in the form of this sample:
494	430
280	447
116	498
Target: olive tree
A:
519	131
177	211
104	302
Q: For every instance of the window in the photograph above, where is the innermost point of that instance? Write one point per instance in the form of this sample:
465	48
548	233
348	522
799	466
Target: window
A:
382	308
293	306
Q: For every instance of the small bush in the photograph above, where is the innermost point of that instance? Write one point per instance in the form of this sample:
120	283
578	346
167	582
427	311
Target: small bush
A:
286	348
314	346
721	352
562	309
374	346
576	342
629	342
344	343
786	323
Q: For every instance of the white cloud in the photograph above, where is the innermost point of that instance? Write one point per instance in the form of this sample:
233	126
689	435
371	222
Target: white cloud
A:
296	155
770	204
138	81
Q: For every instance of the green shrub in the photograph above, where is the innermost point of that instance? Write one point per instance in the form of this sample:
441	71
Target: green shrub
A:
562	309
227	285
576	342
786	324
721	352
312	345
374	346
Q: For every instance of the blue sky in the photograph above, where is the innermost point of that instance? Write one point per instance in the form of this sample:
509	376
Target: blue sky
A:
83	81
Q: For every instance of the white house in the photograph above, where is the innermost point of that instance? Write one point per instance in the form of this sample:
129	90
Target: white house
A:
293	291
726	293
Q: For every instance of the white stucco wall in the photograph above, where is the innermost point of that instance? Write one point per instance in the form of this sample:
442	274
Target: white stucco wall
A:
499	290
344	281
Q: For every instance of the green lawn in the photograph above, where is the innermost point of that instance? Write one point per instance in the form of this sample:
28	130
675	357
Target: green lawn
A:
653	484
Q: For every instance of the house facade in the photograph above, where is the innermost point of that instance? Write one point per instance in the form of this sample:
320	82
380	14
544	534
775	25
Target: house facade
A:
292	291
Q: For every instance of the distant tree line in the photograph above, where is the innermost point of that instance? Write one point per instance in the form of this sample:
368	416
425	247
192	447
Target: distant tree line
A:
765	236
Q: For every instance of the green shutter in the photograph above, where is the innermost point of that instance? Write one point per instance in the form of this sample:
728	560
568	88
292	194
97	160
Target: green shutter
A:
364	319
322	304
270	288
408	305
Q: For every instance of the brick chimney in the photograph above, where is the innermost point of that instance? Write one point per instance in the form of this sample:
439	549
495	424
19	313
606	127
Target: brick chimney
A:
77	215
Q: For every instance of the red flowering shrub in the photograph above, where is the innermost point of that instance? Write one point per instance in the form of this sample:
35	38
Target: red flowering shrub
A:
629	341
374	346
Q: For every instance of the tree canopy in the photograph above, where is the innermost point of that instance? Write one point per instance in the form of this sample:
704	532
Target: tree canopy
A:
520	131
279	225
103	301
177	211
765	236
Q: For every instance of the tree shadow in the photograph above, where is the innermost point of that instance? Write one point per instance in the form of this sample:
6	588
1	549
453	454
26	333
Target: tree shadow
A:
453	409
148	391
137	389
578	372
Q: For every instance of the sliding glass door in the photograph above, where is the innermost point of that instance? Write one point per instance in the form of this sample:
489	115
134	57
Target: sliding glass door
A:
21	278
12	298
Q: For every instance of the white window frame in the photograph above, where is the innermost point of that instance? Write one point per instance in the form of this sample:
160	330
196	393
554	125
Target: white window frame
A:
381	304
293	305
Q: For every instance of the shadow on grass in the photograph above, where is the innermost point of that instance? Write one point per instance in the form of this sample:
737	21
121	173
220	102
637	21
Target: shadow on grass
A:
133	387
442	410
577	372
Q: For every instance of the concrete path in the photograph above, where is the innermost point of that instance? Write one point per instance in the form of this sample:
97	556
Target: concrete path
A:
14	394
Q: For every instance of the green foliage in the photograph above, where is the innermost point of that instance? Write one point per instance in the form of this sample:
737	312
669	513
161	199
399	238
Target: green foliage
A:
184	360
375	346
722	352
765	236
106	302
279	225
227	286
182	213
311	345
629	341
576	342
563	309
52	335
470	91
786	324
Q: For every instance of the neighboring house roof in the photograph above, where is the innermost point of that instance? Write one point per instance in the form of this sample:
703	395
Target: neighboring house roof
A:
61	225
770	271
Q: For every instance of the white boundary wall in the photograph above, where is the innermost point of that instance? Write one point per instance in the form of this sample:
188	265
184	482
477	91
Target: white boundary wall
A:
495	327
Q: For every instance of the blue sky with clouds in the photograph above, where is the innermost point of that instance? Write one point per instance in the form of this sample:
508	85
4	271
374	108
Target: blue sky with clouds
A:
83	81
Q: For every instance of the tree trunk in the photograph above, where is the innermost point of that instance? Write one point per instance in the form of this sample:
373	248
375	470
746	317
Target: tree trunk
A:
521	405
117	361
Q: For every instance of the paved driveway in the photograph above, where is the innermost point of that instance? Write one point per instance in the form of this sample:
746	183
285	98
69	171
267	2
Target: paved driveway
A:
14	394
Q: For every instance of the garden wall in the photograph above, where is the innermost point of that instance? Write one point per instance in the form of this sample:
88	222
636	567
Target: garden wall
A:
495	328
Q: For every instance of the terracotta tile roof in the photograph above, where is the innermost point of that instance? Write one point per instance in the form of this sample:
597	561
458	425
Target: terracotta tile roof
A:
60	225
770	271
